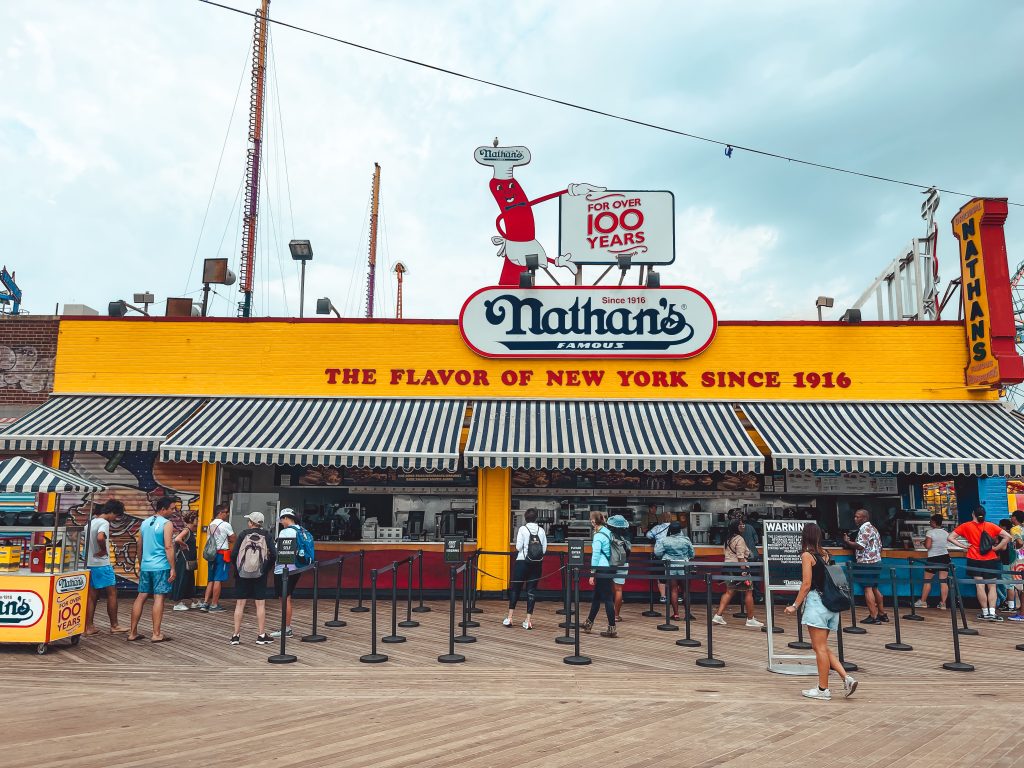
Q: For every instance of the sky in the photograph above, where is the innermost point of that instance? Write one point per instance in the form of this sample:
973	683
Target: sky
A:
123	131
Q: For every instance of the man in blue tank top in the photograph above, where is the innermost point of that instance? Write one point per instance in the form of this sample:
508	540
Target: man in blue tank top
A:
156	566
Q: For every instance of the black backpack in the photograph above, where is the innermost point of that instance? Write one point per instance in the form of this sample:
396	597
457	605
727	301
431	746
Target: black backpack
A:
534	548
835	589
985	542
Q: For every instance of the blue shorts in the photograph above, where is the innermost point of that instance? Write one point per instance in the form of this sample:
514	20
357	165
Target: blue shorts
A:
620	577
221	570
102	576
154	582
816	615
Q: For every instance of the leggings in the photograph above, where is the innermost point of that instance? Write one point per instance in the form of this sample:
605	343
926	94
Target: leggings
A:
524	573
603	593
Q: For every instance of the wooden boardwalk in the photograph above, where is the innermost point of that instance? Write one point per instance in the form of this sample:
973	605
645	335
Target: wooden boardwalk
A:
197	701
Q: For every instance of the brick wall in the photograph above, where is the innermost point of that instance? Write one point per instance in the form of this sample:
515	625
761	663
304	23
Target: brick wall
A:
28	348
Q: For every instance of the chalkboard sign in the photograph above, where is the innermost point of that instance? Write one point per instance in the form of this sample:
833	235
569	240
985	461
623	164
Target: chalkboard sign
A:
576	551
286	550
782	566
453	549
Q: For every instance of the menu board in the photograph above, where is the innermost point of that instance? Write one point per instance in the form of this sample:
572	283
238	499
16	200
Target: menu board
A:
636	481
840	484
782	551
332	477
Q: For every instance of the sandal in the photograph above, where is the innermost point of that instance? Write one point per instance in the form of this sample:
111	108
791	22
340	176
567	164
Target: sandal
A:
587	626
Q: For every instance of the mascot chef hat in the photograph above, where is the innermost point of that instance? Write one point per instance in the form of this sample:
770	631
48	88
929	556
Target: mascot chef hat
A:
502	159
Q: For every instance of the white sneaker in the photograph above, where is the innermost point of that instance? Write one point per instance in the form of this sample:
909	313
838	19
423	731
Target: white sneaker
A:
278	633
754	623
197	604
814	693
849	686
920	604
718	620
506	622
180	607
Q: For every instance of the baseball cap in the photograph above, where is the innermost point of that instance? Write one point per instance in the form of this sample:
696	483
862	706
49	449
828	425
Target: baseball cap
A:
287	512
255	517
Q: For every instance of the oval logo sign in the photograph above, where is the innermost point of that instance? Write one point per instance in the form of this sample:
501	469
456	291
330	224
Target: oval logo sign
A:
588	321
70	584
19	608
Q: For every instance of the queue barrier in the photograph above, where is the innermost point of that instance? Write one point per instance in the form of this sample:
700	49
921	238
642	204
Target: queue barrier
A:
375	657
452	657
283	657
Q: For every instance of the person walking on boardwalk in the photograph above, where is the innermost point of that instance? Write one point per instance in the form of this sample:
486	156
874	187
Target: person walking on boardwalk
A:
983	542
101	573
156	569
219	571
936	541
620	531
531	546
818	619
602	575
253	557
868	547
675	550
736	551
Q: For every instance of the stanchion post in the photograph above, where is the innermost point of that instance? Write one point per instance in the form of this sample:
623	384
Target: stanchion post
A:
473	588
315	636
670	605
742	613
283	657
571	620
359	607
373	657
421	608
899	645
451	657
394	637
958	664
912	616
577	659
853	629
337	622
687	642
465	637
800	644
849	666
564	610
650	613
709	660
409	621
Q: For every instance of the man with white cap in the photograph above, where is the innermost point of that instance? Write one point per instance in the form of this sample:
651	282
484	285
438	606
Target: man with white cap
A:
253	556
289	530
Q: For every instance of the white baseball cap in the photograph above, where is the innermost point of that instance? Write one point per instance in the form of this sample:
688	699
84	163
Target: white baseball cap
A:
255	517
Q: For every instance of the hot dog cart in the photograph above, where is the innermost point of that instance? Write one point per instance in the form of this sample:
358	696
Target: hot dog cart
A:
43	580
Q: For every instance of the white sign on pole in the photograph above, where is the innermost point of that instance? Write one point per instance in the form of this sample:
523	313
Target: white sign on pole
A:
782	561
599	227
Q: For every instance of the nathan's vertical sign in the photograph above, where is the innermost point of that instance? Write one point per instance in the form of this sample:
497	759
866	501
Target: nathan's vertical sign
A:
988	307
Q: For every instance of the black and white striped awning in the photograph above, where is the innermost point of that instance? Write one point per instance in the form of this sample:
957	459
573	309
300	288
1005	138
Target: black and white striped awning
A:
588	434
21	475
404	434
909	438
99	423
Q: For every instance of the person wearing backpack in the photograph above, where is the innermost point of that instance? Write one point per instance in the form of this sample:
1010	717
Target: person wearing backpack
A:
983	542
304	554
531	546
602	573
622	546
818	619
217	553
253	557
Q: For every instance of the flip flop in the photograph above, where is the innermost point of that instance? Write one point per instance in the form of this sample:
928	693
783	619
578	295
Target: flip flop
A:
133	639
119	631
161	640
90	634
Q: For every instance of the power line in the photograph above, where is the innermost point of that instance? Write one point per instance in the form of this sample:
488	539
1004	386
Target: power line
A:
729	146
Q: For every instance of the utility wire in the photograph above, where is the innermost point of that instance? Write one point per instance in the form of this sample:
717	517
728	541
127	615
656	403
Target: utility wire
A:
728	145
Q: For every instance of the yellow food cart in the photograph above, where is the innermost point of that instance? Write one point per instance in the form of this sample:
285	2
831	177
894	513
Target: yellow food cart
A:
43	580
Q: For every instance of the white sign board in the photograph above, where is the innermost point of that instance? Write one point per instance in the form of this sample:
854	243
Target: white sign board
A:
598	227
588	322
782	552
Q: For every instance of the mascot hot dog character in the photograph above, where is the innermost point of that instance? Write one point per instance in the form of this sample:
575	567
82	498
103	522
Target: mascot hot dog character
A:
516	231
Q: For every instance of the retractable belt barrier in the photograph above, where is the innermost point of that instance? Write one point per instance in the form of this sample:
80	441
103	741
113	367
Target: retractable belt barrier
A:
373	657
283	657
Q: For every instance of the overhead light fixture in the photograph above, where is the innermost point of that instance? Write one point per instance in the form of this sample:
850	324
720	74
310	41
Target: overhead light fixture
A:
215	272
851	316
653	279
823	301
180	307
325	307
528	279
301	250
120	308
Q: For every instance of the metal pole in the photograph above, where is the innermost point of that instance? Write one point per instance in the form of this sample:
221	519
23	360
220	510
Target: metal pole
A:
849	666
964	630
336	622
912	616
650	613
687	642
394	637
473	588
314	636
359	607
899	645
570	619
451	657
769	606
668	626
408	599
421	608
957	665
853	629
302	290
577	659
709	660
283	657
373	657
799	644
564	610
465	637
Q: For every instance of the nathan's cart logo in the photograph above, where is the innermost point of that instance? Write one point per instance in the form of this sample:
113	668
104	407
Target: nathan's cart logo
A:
588	321
70	584
20	608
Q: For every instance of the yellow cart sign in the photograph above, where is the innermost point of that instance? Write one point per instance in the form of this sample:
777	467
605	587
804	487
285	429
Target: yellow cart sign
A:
41	608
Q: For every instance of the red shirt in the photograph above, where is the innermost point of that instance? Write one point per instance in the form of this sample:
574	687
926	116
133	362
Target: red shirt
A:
972	532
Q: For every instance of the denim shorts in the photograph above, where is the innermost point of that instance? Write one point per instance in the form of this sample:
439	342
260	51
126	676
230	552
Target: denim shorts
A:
220	570
102	576
154	582
815	613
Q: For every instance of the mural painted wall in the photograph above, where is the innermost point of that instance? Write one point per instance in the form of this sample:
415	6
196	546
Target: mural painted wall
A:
28	349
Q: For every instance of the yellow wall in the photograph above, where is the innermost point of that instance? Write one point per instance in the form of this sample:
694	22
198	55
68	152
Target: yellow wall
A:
920	361
494	526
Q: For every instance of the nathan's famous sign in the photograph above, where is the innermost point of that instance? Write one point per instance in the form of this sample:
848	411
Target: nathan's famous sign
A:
985	289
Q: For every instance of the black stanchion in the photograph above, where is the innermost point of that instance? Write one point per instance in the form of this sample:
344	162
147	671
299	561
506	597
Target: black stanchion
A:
800	644
337	622
473	588
315	636
709	660
958	664
451	657
670	606
571	620
421	608
853	629
394	637
959	604
652	589
373	657
469	593
687	642
849	666
359	607
577	659
465	637
566	608
899	645
283	657
912	616
409	621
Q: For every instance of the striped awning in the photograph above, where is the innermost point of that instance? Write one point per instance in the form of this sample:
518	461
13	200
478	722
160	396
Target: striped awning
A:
21	475
590	434
405	434
909	438
99	423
